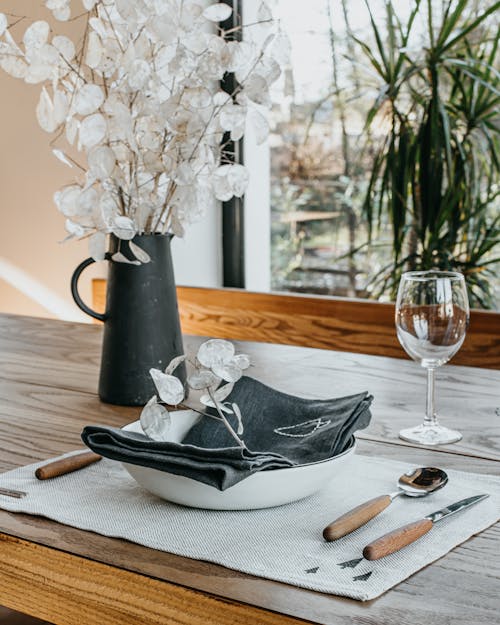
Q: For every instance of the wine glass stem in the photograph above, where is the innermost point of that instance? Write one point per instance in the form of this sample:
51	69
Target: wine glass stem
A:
430	413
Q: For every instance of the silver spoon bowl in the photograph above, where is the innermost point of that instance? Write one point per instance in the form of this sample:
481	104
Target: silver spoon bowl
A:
421	482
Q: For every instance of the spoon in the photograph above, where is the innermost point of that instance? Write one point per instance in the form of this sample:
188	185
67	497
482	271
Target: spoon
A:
417	483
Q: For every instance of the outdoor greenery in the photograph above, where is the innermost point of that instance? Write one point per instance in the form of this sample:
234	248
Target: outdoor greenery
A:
403	147
436	172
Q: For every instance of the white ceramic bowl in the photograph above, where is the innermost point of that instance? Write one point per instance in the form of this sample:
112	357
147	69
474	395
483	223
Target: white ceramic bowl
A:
263	489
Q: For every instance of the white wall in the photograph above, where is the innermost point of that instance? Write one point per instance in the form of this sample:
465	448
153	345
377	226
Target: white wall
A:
257	222
30	225
198	256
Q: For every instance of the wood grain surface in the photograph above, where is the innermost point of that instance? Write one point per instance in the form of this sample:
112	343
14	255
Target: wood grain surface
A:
83	591
48	379
397	539
63	466
313	321
356	517
465	395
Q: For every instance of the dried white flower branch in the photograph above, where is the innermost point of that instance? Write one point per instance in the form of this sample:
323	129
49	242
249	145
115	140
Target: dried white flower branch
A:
139	97
215	362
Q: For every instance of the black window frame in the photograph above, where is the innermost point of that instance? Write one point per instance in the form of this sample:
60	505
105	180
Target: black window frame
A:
233	211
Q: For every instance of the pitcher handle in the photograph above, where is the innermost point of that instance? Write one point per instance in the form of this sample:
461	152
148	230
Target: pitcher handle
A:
76	296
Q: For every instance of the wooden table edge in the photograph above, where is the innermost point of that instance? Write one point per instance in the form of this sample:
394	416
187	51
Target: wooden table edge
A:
60	587
26	570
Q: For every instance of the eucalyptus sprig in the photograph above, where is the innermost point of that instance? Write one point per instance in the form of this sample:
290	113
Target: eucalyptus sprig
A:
139	99
215	370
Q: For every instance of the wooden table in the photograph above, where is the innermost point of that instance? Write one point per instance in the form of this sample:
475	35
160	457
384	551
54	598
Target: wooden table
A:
48	377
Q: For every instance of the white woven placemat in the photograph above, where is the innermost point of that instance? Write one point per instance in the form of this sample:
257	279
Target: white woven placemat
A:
282	543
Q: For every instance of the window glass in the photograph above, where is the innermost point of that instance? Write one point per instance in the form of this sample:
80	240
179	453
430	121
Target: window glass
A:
322	154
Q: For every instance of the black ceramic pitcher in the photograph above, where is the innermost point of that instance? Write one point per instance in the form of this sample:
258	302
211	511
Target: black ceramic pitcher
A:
141	321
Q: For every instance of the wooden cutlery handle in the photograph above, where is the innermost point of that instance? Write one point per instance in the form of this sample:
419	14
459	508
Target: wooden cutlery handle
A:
355	518
397	539
66	465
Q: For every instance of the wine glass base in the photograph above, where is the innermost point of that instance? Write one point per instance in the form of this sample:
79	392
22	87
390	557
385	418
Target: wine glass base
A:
430	435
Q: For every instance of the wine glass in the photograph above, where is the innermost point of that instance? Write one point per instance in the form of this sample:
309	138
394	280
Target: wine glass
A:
432	315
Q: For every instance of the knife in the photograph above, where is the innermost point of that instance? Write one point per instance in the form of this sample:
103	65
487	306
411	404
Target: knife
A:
403	536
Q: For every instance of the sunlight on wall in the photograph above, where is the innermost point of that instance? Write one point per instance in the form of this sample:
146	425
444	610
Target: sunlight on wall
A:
38	292
31	227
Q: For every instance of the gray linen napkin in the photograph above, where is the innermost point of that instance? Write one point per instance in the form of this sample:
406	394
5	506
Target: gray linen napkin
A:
302	430
221	468
284	430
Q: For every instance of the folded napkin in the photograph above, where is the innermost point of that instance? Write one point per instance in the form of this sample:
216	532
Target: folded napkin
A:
302	430
280	431
221	468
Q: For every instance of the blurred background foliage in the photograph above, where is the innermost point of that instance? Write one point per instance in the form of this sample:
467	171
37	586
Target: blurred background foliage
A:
395	165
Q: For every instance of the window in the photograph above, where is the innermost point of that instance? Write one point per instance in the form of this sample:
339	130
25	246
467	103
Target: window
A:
309	183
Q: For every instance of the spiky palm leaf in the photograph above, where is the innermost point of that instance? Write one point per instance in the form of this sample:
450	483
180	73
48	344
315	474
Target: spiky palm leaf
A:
436	172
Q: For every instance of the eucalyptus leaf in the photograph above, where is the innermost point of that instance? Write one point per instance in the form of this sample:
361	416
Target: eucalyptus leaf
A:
174	363
170	388
75	229
260	126
197	97
202	379
92	130
88	99
264	13
61	106
215	351
229	181
176	226
155	420
94	50
124	228
60	155
138	74
61	9
237	413
16	66
119	257
219	395
67	199
256	88
45	112
217	12
228	371
38	71
139	253
101	161
97	246
241	360
4	23
65	47
36	35
72	128
136	93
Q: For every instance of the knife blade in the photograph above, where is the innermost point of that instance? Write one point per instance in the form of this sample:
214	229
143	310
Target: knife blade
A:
403	536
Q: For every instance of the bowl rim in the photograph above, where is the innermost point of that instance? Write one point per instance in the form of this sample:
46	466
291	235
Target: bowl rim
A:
351	447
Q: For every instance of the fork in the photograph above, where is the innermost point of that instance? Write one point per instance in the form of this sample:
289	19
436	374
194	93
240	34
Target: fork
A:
9	492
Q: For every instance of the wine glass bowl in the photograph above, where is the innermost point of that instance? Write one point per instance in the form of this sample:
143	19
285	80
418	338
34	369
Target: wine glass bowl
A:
432	315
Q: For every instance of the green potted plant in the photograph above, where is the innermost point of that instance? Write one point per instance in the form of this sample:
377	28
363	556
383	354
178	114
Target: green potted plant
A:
435	169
